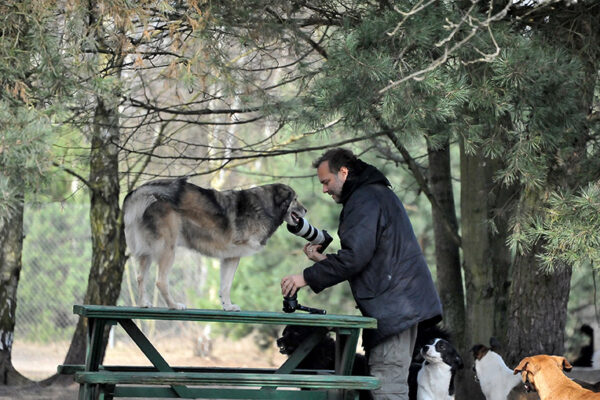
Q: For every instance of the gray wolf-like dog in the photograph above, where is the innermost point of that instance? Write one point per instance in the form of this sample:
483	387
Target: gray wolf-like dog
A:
163	214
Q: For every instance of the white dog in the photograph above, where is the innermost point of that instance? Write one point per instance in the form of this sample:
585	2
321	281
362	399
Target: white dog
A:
494	376
436	377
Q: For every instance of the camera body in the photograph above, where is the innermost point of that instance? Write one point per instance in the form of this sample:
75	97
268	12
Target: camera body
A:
290	304
310	233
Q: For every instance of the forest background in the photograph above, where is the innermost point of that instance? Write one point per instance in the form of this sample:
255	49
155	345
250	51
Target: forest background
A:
483	114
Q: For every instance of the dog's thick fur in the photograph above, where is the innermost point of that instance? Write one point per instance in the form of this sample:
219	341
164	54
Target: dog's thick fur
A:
163	214
495	378
436	377
544	374
322	357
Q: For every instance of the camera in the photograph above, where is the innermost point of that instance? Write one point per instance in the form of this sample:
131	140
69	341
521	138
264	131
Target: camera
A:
290	304
310	233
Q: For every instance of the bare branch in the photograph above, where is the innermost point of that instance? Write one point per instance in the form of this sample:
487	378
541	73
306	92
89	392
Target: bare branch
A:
475	25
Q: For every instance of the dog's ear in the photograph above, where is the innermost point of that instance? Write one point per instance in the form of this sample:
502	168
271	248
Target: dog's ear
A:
283	196
495	344
457	363
563	363
479	351
522	366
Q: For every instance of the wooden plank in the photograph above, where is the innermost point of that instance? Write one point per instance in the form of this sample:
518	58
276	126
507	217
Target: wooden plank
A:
70	369
249	317
209	393
217	379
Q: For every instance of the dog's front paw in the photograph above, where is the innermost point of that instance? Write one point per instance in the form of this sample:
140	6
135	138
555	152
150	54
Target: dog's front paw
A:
177	306
146	304
231	307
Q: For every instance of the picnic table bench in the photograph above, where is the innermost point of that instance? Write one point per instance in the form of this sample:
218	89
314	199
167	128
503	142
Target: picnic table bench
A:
165	381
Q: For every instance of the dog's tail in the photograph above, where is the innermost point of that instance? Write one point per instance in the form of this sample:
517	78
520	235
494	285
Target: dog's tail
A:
137	202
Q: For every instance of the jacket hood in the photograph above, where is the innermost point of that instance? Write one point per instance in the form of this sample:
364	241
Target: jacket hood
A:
364	174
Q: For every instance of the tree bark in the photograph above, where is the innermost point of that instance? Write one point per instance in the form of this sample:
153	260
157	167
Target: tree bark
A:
479	279
475	176
447	257
108	240
538	308
501	209
11	246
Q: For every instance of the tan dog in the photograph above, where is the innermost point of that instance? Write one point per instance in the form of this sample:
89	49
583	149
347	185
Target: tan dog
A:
544	374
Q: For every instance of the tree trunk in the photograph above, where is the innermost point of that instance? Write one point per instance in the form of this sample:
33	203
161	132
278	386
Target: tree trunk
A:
447	258
538	308
11	246
475	177
501	207
479	279
108	240
108	237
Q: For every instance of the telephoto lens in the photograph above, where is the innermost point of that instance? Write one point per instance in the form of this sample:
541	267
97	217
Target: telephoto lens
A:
310	233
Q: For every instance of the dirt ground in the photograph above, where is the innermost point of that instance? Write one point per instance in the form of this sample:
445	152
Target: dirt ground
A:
38	362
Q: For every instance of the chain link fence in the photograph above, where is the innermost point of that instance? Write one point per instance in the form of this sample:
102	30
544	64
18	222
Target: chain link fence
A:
57	255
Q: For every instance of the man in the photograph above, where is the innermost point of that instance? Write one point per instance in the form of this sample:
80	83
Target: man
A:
381	259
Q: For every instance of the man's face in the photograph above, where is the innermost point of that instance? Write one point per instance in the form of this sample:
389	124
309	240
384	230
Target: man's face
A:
332	183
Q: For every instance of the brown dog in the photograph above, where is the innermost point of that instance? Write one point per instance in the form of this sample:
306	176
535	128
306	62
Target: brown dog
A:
544	374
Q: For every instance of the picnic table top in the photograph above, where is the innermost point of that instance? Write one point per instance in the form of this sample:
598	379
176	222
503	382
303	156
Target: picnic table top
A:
255	317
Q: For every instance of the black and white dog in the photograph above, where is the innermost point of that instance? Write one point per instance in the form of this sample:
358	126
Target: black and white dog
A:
426	334
436	377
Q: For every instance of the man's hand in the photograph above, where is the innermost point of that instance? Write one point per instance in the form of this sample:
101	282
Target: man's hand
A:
311	251
291	283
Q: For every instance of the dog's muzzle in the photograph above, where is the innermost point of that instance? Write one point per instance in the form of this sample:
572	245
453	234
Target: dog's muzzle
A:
529	387
282	346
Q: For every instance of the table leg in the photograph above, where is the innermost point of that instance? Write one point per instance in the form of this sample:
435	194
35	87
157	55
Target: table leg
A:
345	351
93	355
150	351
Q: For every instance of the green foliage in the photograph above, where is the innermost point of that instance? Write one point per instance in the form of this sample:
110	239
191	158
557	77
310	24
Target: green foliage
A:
24	151
543	93
364	58
569	228
32	76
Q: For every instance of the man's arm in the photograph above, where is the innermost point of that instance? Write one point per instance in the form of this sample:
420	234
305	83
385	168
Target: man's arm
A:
358	236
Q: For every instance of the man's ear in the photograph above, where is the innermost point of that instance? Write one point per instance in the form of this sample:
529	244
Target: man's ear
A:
343	173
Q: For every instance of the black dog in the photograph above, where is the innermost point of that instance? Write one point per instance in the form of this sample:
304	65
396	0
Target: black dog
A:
587	351
323	355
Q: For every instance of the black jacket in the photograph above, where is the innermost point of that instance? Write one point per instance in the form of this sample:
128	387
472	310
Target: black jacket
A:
380	257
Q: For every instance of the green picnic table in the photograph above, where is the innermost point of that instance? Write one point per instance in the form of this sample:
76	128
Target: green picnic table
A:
164	381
